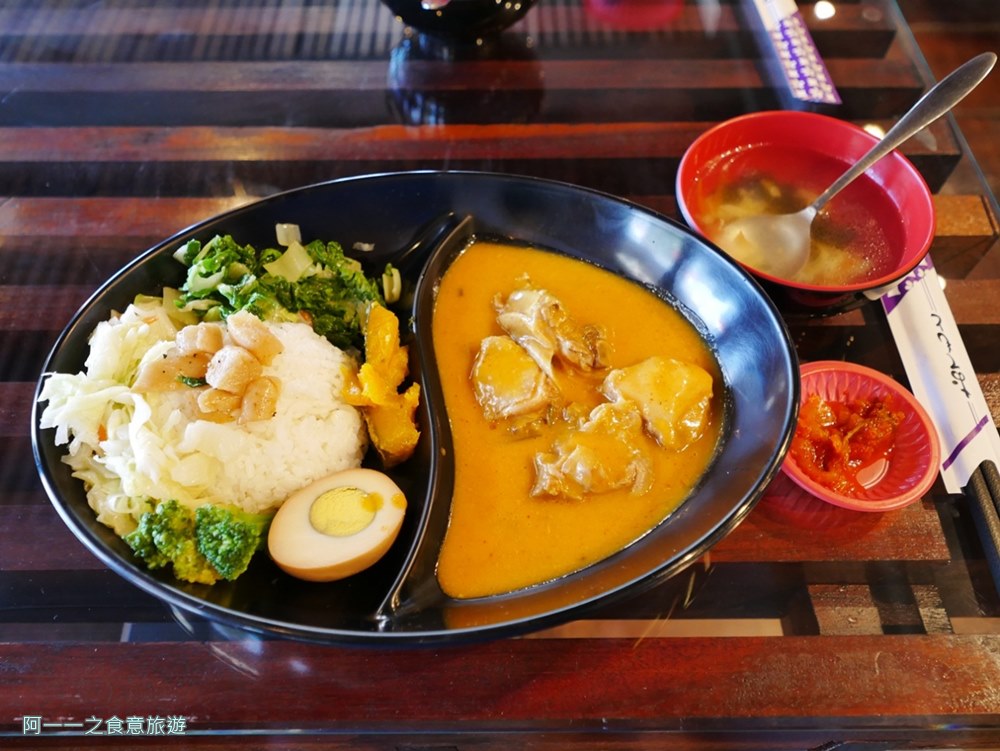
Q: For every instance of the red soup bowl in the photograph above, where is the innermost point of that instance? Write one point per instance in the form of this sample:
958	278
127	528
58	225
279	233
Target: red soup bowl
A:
870	235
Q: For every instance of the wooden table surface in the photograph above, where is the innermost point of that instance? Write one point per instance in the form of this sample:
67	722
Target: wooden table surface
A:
124	121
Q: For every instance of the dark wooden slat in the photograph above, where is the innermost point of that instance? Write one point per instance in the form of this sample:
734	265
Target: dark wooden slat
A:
108	220
32	497
309	33
353	76
774	532
67	233
135	18
22	354
610	738
82	261
966	232
680	682
82	589
86	221
788	525
88	594
15	408
945	45
615	157
17	470
389	142
160	179
62	551
199	144
354	94
19	306
248	20
263	178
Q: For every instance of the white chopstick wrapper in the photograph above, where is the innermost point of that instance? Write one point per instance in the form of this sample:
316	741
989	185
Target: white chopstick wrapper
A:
940	373
797	57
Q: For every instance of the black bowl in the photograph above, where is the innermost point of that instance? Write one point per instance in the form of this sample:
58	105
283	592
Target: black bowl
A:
405	215
422	94
459	20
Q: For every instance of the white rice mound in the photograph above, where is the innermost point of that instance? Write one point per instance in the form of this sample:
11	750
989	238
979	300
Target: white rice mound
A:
130	448
313	434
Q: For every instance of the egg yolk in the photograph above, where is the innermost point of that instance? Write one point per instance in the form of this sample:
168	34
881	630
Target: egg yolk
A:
343	512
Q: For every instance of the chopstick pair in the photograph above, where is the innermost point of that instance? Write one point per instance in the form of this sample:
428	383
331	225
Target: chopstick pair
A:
983	492
931	348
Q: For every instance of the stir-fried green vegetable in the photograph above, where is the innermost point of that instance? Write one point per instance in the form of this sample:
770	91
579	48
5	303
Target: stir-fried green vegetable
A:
204	545
315	282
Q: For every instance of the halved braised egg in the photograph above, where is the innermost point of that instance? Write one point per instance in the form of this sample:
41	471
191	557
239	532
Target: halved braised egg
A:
337	526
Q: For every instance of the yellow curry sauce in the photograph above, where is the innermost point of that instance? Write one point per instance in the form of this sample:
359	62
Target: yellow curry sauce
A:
499	537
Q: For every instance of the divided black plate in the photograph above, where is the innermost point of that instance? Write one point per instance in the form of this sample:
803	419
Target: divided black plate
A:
403	216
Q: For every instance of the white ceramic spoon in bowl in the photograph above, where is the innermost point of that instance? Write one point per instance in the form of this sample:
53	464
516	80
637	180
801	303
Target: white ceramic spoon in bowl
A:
780	242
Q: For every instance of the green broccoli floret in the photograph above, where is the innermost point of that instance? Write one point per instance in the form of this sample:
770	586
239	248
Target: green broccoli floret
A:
192	566
166	535
141	541
173	528
210	543
228	537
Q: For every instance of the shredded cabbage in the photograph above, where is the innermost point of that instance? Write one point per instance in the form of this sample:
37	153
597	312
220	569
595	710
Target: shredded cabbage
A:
97	415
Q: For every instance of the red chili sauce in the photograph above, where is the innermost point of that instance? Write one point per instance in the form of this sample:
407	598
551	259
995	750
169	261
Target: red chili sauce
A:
835	440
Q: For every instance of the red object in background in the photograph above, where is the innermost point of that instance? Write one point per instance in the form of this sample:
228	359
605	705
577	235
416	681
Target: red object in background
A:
634	15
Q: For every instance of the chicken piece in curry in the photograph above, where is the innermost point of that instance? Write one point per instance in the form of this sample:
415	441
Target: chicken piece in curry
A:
673	397
602	453
509	382
537	321
517	376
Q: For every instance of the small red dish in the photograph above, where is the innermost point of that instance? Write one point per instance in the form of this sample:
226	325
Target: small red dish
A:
912	465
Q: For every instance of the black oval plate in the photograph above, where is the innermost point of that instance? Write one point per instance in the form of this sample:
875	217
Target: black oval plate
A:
397	600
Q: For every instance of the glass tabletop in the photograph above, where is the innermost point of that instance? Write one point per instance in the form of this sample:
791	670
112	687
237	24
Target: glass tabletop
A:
122	123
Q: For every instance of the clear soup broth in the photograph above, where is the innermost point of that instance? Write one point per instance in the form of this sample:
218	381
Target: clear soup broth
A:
857	238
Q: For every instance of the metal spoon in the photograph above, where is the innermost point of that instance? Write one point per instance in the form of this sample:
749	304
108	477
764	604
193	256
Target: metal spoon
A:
781	241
